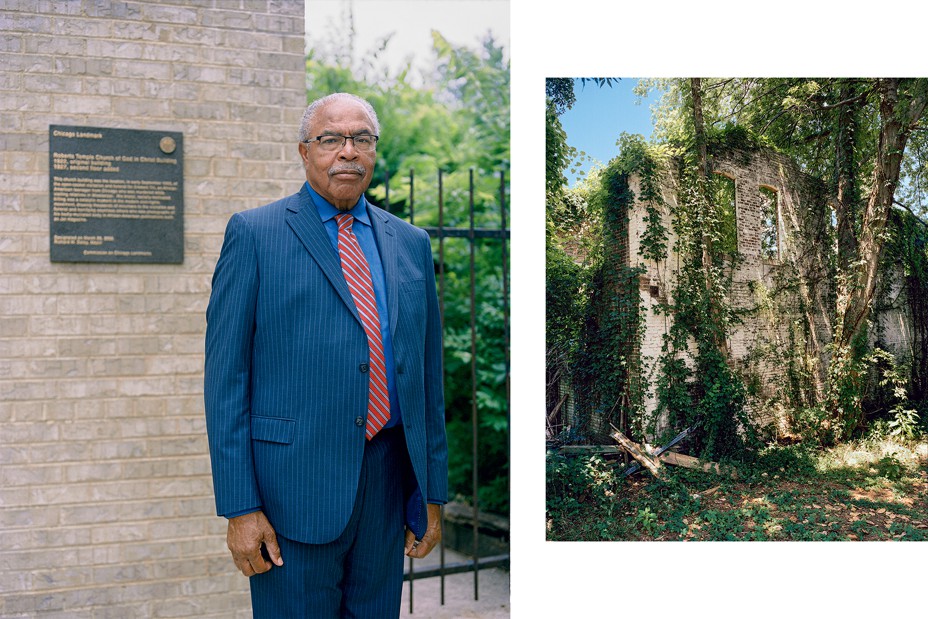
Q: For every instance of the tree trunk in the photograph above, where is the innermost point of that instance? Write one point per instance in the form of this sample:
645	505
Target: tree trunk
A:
896	122
848	194
706	202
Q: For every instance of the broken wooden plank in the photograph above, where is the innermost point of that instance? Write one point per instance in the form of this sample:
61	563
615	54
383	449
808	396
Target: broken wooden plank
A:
636	453
635	466
609	450
689	462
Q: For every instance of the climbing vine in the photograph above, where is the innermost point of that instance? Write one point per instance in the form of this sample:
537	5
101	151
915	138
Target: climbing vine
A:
809	350
695	383
604	359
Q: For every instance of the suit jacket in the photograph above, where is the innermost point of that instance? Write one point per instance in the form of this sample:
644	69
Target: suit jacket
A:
285	391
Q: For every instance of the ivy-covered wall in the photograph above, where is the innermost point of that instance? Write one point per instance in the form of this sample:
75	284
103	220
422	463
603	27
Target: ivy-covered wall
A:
699	289
779	287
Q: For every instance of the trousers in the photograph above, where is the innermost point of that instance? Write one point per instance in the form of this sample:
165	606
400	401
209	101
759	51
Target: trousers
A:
360	573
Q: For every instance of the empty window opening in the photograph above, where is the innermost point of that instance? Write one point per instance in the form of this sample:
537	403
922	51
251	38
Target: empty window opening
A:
769	224
723	194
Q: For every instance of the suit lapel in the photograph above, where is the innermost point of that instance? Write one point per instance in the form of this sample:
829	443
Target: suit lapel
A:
386	243
304	220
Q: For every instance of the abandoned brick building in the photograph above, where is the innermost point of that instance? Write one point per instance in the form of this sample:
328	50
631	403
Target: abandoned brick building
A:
781	285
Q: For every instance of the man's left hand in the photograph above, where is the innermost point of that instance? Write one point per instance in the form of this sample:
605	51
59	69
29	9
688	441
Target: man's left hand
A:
418	550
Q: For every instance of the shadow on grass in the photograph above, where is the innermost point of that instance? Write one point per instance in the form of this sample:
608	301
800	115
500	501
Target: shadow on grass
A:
786	493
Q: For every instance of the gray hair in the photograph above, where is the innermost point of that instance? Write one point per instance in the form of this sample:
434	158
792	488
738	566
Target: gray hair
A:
310	112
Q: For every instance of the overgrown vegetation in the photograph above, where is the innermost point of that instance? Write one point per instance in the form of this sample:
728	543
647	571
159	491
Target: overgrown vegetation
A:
593	320
871	489
454	118
848	251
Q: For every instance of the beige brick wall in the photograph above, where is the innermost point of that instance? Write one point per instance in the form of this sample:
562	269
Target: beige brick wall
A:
797	198
106	505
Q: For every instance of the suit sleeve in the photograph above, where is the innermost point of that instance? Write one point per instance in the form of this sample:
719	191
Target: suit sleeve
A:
437	456
230	326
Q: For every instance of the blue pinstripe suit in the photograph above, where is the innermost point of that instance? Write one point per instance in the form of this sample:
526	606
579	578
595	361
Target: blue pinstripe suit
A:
286	395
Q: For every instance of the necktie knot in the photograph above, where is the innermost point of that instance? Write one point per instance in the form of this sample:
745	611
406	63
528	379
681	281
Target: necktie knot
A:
344	221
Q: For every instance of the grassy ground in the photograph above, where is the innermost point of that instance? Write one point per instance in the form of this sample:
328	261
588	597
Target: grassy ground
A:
870	490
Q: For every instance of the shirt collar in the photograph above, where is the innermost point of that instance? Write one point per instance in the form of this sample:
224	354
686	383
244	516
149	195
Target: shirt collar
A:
327	211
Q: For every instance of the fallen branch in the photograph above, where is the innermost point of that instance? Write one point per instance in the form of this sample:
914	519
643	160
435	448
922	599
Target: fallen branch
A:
554	411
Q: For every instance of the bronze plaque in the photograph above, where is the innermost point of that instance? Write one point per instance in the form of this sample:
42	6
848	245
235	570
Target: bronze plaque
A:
117	195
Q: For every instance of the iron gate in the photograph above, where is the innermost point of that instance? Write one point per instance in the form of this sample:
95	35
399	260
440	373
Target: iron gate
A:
494	236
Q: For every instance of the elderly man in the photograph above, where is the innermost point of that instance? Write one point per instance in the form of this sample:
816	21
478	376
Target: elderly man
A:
323	385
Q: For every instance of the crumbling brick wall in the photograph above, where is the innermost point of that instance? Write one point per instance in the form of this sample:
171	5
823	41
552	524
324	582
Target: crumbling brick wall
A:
782	301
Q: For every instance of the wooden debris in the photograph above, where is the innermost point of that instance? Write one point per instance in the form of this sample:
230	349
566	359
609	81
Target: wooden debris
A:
650	458
635	452
689	462
609	450
635	467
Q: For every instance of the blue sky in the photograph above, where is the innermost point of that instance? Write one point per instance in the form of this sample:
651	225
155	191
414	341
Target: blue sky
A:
600	115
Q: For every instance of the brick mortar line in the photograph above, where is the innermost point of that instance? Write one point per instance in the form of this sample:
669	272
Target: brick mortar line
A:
120	522
126	502
108	586
112	441
113	461
119	544
101	462
59	17
115	501
123	543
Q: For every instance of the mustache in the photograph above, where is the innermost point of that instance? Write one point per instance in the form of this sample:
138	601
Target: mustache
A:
348	167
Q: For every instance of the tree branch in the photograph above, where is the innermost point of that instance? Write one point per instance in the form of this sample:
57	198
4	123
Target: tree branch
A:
861	96
911	212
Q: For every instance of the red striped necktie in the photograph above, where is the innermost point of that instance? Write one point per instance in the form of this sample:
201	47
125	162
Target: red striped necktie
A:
358	275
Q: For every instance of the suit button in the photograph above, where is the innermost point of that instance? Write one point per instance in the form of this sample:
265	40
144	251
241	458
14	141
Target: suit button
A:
359	421
363	367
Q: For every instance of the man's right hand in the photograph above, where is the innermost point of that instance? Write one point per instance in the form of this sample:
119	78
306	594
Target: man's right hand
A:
245	536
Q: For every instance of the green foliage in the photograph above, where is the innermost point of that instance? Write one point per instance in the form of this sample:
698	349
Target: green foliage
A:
565	304
456	121
907	249
813	424
647	161
573	484
902	419
606	366
602	357
843	394
799	460
559	92
557	156
647	521
708	392
858	491
723	197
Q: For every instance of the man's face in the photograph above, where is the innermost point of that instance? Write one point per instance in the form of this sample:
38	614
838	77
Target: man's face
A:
339	176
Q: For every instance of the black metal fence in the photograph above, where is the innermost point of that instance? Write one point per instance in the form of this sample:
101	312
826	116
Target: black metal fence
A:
487	238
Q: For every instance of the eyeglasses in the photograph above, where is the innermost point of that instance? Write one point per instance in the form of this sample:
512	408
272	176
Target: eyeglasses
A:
364	142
